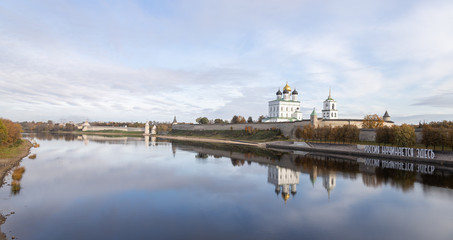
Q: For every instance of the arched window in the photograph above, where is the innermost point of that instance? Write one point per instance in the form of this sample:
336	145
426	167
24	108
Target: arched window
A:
331	114
333	106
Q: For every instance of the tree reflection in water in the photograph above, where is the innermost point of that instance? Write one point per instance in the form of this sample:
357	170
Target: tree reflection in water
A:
325	166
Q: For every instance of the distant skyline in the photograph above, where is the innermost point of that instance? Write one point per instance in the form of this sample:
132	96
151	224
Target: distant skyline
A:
152	60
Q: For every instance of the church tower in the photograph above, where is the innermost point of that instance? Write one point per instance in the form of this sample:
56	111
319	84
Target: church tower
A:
330	110
329	182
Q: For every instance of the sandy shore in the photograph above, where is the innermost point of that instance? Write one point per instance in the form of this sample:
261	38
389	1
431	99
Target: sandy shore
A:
7	164
211	140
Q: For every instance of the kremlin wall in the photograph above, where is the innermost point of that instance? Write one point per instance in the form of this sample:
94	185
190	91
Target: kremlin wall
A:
284	114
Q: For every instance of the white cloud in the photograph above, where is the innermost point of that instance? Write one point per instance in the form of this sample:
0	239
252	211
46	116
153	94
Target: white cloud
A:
226	58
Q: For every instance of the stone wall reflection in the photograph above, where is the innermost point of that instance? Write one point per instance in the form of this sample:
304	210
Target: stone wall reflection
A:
321	166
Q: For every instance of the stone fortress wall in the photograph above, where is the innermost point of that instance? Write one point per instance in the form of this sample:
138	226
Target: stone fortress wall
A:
108	128
288	129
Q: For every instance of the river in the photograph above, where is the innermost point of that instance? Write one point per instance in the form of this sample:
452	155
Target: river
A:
93	187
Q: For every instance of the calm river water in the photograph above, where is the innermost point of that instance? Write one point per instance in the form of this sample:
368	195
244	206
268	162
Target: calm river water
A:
91	187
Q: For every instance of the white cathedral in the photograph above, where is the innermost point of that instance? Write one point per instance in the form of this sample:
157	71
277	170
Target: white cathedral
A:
286	107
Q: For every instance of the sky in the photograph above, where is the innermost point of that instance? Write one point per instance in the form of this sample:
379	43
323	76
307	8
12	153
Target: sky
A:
153	60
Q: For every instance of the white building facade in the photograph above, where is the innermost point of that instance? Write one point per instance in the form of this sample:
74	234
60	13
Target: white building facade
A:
329	110
284	179
286	106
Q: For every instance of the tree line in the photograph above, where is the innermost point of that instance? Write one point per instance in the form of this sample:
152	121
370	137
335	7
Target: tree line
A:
342	134
10	133
235	120
402	136
438	134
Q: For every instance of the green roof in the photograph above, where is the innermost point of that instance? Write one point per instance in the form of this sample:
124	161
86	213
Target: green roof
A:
314	112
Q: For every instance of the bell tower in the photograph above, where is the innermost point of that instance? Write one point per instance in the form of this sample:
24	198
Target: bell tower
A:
329	110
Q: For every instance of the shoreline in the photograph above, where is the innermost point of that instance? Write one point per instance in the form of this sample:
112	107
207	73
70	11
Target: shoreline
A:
211	140
126	134
6	164
445	159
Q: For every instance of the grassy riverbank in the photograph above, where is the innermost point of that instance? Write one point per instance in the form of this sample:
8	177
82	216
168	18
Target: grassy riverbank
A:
11	156
241	135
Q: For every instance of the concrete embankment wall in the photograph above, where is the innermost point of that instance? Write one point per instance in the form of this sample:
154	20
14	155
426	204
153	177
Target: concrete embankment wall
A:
288	129
442	159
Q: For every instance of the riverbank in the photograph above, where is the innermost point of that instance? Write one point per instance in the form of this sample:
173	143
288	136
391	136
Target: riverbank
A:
104	133
443	158
247	135
10	157
211	140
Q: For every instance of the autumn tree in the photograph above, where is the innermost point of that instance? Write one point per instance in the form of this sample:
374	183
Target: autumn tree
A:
385	135
260	119
3	133
404	136
347	133
298	133
372	121
308	132
250	120
237	119
202	120
14	130
218	121
450	138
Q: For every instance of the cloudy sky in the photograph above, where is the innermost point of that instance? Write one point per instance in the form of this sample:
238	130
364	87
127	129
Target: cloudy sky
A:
152	60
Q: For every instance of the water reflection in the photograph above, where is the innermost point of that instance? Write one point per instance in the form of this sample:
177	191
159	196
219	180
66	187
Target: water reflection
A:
86	139
284	179
372	172
116	189
16	177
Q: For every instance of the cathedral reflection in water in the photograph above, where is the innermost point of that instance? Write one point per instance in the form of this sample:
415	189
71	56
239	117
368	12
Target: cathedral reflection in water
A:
286	180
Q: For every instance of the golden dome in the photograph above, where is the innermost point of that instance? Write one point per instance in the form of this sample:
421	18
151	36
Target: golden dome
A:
287	87
285	196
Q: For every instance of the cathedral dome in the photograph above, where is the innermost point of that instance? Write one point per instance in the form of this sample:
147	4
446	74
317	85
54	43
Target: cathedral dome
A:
287	88
295	92
285	196
279	92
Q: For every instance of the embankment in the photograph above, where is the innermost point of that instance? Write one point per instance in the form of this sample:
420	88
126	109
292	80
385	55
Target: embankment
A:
442	158
211	140
353	150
